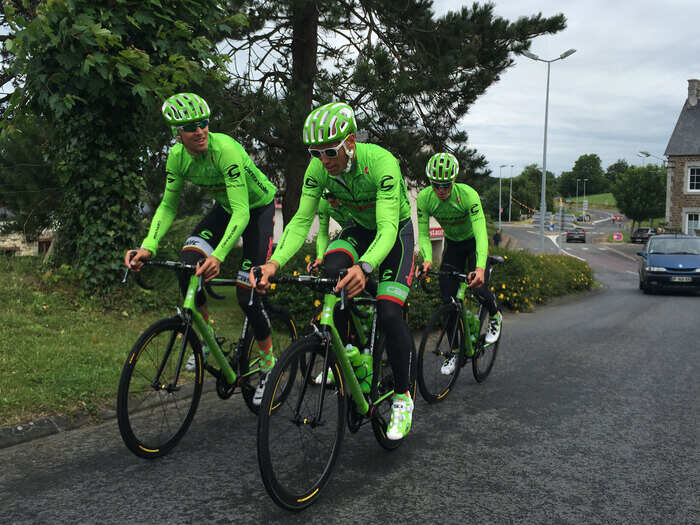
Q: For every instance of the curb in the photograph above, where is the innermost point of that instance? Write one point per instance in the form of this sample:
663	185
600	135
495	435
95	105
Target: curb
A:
47	426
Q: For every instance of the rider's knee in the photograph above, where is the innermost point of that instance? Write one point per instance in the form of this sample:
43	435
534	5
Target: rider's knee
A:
335	261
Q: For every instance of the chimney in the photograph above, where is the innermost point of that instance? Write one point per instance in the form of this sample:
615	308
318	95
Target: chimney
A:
693	91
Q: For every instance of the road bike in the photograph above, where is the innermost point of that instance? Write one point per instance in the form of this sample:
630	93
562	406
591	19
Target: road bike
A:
158	395
300	431
455	334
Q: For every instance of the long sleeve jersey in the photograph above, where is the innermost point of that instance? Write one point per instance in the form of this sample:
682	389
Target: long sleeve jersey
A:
227	173
460	216
373	193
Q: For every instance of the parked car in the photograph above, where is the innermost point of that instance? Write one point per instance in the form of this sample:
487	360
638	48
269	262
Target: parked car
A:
670	261
577	234
641	235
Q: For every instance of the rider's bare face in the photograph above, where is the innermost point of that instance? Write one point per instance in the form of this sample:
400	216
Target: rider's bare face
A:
196	141
336	165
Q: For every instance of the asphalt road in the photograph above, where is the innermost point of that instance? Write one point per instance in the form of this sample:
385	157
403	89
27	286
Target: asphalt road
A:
591	415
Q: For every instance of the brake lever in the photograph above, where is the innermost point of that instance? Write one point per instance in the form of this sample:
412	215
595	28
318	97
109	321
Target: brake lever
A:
257	275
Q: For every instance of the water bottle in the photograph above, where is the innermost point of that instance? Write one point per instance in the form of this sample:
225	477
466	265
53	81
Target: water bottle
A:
366	380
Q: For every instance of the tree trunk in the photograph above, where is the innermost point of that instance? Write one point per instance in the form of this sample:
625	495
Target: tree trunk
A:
300	97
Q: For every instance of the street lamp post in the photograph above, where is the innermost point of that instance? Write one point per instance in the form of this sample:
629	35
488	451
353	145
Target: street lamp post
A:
543	201
510	193
500	177
577	193
584	195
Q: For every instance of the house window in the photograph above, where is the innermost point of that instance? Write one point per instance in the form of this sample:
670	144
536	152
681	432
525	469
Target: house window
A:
694	179
693	221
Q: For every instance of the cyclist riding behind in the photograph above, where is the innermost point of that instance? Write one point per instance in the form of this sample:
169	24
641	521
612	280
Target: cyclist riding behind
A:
367	182
328	208
244	208
457	208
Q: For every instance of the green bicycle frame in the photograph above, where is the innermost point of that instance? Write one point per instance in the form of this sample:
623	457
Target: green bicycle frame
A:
329	302
202	329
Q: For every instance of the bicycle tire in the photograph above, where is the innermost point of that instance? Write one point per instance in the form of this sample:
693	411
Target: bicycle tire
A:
484	355
382	383
153	414
435	349
284	332
296	452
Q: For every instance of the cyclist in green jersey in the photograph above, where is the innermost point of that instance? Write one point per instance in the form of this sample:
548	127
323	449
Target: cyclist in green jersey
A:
457	208
244	208
367	182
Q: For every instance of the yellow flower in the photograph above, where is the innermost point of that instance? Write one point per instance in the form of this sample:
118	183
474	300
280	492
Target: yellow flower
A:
273	286
307	258
503	286
500	296
317	302
295	273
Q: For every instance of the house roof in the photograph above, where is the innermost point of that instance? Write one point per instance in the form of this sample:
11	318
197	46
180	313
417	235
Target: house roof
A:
685	139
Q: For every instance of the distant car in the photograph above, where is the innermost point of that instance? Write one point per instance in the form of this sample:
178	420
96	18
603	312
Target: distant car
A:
670	261
577	234
641	235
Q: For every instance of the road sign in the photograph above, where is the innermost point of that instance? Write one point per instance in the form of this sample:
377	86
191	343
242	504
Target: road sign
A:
617	236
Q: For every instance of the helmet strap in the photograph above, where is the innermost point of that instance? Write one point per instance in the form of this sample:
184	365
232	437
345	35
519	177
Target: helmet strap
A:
350	154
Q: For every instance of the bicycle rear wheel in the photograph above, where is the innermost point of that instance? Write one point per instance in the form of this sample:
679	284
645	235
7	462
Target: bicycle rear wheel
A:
438	355
383	387
300	432
157	397
284	333
484	354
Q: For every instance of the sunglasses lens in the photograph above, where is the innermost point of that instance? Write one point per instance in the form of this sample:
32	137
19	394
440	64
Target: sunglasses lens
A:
204	123
331	152
442	185
189	128
316	153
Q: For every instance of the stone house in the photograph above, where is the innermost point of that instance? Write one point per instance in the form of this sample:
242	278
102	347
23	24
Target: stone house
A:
683	173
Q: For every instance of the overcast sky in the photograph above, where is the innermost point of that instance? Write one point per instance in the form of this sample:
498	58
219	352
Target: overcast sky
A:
621	92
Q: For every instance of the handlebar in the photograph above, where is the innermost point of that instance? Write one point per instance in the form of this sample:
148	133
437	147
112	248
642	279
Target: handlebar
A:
175	265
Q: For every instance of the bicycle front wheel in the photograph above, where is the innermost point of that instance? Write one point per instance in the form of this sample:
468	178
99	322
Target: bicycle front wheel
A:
283	332
484	353
300	431
438	355
157	396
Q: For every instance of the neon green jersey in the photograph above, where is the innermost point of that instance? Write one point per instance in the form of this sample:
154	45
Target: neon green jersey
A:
326	212
460	216
227	173
373	193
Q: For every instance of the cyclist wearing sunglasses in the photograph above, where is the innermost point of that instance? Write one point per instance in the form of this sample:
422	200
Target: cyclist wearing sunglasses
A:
244	208
457	208
367	182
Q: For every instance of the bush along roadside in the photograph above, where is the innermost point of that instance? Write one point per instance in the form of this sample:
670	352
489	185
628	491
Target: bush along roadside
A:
521	282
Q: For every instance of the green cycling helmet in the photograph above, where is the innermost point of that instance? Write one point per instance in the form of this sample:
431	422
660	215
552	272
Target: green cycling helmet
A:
442	167
182	108
331	122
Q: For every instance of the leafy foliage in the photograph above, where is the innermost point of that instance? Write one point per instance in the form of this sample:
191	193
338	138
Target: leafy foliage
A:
586	167
640	192
29	191
410	76
96	72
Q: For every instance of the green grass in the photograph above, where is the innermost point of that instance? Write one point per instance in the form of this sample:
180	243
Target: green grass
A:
62	353
600	200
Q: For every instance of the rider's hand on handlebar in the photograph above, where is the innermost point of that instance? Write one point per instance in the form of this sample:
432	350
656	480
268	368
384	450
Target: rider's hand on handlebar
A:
476	278
313	266
422	270
209	268
353	282
267	270
134	258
